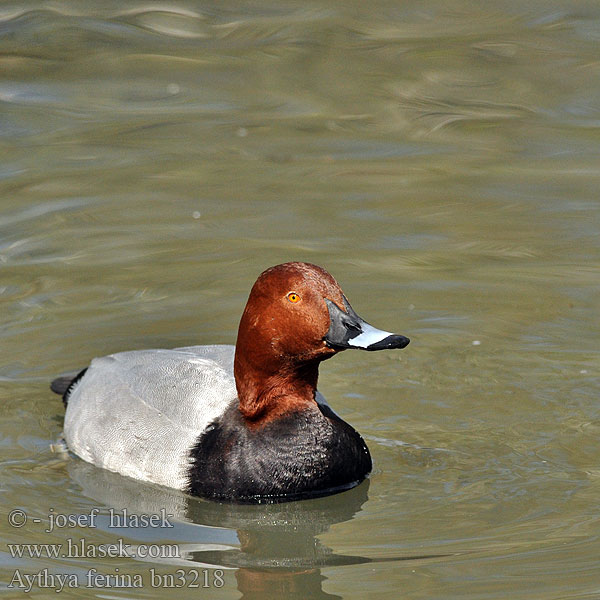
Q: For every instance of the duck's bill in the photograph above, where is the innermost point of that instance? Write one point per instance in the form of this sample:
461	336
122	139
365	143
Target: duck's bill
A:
348	330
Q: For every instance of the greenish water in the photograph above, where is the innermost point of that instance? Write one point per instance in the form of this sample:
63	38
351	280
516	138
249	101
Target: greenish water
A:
441	160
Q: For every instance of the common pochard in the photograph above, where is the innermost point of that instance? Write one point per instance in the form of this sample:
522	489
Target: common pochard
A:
240	423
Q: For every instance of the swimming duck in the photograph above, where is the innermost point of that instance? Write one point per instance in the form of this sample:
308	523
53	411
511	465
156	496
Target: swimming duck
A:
240	423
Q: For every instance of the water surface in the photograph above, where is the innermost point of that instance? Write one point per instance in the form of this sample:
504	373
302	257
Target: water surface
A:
441	160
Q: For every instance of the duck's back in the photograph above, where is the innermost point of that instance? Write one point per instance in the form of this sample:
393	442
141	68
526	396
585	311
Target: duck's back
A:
139	413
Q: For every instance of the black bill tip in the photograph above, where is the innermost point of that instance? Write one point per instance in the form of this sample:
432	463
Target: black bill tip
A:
390	343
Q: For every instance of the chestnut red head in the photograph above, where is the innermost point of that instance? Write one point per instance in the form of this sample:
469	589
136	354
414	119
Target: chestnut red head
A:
295	317
286	315
298	313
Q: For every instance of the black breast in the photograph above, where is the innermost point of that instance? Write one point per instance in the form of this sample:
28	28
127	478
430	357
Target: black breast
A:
301	455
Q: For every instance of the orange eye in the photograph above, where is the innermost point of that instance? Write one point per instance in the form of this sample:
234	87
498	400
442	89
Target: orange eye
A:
293	297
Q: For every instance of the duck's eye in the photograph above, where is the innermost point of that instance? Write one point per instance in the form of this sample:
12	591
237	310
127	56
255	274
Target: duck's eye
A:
293	297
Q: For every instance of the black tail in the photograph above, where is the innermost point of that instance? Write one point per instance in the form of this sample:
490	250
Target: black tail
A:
64	384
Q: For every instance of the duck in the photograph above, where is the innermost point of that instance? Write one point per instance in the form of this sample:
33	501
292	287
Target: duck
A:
241	424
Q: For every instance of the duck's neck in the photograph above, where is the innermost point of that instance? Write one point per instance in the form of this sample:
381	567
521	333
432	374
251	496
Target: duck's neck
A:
267	393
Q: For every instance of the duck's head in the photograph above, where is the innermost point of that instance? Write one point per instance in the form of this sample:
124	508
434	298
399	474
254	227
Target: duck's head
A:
296	315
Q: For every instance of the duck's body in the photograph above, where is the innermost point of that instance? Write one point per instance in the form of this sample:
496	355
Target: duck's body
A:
171	417
241	423
139	413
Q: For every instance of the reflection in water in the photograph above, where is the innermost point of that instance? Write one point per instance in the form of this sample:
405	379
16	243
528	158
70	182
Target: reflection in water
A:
290	583
277	551
274	547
